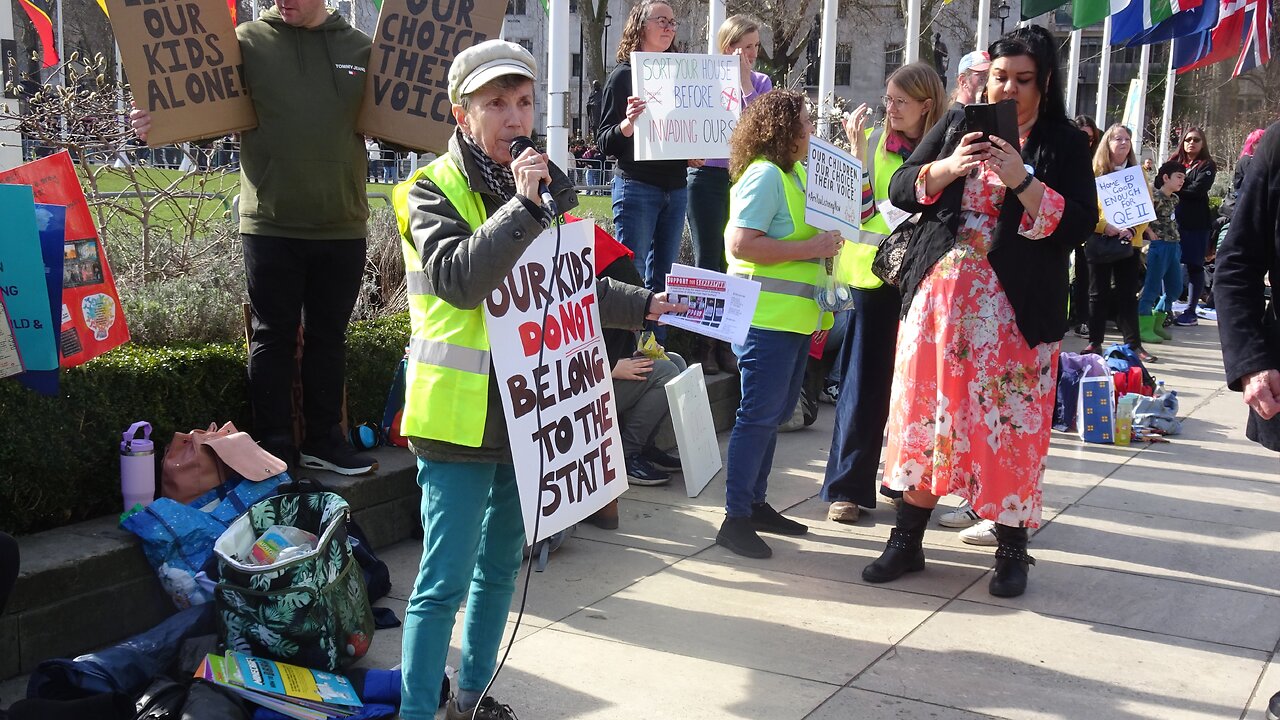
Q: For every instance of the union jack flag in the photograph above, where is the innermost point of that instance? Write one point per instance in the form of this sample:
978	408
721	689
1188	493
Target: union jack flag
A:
1256	48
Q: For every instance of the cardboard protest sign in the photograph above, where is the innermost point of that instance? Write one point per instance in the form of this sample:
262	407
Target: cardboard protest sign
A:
692	103
833	189
92	318
559	407
26	294
184	66
1125	198
406	93
695	429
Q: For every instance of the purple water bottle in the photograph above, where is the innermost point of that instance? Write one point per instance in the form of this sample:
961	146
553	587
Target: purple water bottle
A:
137	466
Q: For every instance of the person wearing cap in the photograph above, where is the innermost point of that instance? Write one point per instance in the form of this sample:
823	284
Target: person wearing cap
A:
464	221
303	216
971	77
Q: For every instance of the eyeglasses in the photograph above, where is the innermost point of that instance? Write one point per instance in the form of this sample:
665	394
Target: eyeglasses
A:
665	23
895	102
1193	139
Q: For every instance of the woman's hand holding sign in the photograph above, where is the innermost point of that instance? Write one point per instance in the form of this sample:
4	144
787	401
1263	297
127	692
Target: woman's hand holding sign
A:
635	106
140	120
658	306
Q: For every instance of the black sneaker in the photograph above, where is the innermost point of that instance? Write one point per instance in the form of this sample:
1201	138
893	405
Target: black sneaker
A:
765	519
739	537
661	460
642	472
488	709
1082	330
337	456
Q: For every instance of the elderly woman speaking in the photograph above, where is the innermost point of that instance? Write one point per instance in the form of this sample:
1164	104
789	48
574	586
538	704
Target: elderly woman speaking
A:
465	220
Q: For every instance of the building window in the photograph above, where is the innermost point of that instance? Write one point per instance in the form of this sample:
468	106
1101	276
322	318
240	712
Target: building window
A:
516	7
897	9
576	66
892	58
573	6
344	9
1090	49
527	44
1062	17
844	59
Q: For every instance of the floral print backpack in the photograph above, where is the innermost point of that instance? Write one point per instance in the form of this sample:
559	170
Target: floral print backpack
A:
311	610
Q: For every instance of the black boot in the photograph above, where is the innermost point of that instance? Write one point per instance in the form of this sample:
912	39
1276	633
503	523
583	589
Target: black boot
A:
1012	562
904	552
704	351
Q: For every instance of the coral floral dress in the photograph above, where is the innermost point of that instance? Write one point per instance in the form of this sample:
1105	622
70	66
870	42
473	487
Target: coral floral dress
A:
972	405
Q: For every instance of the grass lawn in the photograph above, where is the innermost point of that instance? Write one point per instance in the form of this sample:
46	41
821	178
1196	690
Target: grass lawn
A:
596	205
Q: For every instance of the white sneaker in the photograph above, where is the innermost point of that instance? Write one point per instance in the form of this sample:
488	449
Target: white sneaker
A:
961	517
984	533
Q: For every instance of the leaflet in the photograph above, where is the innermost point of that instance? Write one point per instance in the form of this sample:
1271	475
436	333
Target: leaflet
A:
720	306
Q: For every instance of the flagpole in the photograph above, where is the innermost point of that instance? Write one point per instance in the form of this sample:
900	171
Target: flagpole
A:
911	51
1144	76
62	50
716	15
1166	118
1073	73
826	68
1104	74
558	82
984	24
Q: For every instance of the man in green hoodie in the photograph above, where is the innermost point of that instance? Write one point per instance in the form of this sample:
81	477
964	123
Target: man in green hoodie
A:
303	214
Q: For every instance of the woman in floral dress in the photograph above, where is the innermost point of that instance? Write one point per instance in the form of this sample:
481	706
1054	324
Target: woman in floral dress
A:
985	301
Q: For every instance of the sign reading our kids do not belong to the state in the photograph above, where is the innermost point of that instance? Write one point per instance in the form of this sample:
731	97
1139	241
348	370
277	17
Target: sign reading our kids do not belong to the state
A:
184	66
692	104
555	380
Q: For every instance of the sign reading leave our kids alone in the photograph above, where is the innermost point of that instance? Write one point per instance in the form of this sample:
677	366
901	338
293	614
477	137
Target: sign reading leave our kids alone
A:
692	103
1125	199
554	377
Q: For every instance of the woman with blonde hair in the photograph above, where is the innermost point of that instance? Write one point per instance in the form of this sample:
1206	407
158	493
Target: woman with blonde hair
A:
914	100
1114	283
768	240
709	184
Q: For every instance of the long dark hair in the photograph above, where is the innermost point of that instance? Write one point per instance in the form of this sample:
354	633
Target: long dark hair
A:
1036	43
1086	124
633	30
1203	156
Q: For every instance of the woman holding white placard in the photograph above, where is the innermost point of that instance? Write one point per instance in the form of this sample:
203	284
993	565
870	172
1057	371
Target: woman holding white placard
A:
1113	284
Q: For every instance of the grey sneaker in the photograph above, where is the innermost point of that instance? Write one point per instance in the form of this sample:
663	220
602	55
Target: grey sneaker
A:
983	533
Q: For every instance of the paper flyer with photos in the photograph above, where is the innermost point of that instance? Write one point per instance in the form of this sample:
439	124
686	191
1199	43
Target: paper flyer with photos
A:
720	306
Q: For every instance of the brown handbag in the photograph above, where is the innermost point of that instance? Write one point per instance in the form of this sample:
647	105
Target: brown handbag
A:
190	466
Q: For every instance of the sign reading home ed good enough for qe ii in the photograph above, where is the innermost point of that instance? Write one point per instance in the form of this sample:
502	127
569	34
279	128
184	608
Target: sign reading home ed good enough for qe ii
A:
692	103
554	377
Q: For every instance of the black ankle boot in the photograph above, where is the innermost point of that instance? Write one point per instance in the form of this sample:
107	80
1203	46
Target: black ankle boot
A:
1012	562
904	552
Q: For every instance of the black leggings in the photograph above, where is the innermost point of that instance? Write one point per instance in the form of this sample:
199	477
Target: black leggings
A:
1123	297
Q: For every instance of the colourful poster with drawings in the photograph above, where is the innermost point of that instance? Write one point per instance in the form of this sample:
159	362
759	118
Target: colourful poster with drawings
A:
22	282
93	321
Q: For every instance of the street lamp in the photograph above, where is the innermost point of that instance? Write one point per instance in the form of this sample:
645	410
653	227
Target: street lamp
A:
1002	12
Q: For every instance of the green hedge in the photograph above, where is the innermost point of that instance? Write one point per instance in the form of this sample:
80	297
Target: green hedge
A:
59	456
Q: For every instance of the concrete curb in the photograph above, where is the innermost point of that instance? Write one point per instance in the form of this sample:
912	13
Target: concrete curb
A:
88	585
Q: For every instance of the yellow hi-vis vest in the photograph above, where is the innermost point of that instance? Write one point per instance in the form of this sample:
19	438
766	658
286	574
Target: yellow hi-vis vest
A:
447	380
856	257
786	288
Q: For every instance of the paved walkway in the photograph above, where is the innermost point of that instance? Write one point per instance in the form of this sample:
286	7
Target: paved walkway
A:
1155	595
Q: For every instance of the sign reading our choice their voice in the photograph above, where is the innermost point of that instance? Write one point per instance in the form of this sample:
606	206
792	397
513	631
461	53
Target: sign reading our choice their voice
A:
833	191
692	104
555	380
1125	198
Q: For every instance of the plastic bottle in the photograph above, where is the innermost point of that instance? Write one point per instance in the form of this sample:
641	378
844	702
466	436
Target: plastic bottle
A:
137	466
1124	420
1160	391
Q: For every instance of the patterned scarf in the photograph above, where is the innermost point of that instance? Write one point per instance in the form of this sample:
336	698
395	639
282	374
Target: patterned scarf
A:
497	178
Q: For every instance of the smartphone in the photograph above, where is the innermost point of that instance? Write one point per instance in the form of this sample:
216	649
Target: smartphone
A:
998	119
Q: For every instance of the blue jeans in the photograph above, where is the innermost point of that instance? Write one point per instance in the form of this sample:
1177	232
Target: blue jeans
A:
1164	272
473	533
862	410
772	364
649	221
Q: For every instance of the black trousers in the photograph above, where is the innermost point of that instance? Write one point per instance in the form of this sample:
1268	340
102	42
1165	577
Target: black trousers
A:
309	282
1123	297
8	567
862	410
1079	311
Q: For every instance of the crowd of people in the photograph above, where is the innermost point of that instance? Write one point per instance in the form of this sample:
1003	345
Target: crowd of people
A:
995	226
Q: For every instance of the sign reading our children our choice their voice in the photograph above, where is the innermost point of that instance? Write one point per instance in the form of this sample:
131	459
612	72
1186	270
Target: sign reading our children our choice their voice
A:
185	67
692	104
833	189
406	94
1125	199
555	380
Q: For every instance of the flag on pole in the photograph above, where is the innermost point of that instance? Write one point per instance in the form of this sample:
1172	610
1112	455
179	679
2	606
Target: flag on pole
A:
41	14
1087	12
1256	48
1200	19
1036	8
1141	15
1219	44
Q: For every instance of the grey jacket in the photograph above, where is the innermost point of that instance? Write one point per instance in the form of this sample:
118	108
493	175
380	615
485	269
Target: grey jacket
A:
462	268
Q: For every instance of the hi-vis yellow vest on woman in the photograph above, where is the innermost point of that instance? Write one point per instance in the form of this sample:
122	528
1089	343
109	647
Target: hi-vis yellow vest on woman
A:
855	260
786	288
447	382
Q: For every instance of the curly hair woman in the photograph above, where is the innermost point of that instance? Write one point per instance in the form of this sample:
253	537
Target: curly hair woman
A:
768	241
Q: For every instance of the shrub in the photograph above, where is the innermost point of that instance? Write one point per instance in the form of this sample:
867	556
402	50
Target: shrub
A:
59	456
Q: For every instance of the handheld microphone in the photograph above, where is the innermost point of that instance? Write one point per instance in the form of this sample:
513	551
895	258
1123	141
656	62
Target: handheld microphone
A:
518	145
